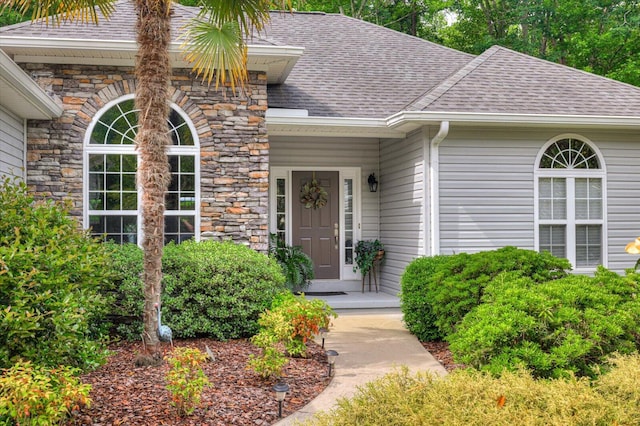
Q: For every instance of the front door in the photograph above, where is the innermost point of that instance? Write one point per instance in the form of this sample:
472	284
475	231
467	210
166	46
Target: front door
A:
316	220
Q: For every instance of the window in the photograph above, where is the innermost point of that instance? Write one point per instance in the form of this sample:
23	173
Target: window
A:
570	202
111	161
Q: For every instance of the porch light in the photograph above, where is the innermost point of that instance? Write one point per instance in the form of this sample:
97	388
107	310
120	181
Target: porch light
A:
373	183
281	389
331	358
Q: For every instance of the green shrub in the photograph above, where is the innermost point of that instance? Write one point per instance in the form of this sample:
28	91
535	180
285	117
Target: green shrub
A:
51	311
469	397
416	306
287	327
212	289
437	299
185	379
36	395
555	329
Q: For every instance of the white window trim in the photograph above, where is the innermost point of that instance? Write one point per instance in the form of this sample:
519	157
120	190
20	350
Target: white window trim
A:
571	175
277	172
131	150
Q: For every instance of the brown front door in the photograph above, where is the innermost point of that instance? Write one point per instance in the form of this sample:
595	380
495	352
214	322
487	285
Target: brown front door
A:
316	227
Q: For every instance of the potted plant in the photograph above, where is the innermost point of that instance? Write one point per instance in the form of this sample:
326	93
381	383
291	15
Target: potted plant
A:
296	265
367	253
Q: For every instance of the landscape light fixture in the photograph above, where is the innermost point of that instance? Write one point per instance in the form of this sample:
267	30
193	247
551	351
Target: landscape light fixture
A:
281	389
373	183
331	358
323	333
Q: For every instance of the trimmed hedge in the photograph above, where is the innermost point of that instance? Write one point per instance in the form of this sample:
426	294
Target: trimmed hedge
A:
438	292
210	289
555	329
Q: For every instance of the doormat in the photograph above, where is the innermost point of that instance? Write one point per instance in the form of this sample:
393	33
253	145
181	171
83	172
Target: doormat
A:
321	293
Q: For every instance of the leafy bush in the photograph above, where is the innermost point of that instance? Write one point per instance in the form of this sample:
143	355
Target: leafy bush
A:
416	306
51	311
32	394
555	329
296	265
290	323
212	289
185	379
469	397
125	296
437	299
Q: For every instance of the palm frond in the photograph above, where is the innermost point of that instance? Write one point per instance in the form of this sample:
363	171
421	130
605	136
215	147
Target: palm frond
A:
210	48
249	14
84	11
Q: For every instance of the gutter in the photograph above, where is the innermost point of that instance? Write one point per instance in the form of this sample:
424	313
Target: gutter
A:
434	186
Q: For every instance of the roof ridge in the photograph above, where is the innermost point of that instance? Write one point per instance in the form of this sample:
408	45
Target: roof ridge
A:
447	84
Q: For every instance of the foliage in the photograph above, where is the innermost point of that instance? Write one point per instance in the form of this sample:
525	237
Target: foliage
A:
296	265
290	323
185	379
367	253
213	289
469	397
416	307
436	299
37	395
555	329
50	273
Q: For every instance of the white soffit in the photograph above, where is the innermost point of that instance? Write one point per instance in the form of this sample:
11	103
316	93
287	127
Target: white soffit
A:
276	61
407	121
329	126
22	96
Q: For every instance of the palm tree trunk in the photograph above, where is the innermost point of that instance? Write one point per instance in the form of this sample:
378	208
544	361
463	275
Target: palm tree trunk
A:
153	74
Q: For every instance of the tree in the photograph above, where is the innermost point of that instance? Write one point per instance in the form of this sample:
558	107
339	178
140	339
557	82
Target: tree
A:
214	44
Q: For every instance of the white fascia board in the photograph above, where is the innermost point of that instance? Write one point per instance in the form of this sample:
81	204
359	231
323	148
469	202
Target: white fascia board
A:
330	126
23	95
280	59
410	120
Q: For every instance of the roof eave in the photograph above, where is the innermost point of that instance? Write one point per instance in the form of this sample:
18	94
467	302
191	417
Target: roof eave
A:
276	61
22	96
330	126
407	121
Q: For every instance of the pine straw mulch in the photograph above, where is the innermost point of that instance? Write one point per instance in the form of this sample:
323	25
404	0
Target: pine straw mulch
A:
123	394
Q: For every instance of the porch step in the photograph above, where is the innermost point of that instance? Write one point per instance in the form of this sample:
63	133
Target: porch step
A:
318	286
358	300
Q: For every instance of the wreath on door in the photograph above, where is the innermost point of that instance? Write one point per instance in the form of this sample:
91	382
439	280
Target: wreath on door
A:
312	195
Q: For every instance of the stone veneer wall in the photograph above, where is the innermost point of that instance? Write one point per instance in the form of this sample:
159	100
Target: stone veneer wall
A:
234	148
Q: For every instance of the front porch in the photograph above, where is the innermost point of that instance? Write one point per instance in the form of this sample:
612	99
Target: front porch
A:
347	294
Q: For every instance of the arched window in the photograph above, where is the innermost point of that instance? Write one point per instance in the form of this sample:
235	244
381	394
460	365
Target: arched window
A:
570	200
112	199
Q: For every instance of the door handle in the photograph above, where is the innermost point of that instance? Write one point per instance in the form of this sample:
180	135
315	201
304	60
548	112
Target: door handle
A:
336	234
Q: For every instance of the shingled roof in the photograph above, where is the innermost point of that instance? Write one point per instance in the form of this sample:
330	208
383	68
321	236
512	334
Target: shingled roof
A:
352	68
503	81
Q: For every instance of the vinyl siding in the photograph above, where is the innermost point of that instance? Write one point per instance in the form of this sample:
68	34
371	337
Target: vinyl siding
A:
11	144
621	152
402	212
486	189
286	151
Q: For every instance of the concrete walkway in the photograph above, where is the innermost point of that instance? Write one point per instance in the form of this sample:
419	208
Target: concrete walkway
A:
370	344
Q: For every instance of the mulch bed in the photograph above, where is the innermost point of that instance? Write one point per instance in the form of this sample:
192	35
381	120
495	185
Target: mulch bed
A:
441	352
124	394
